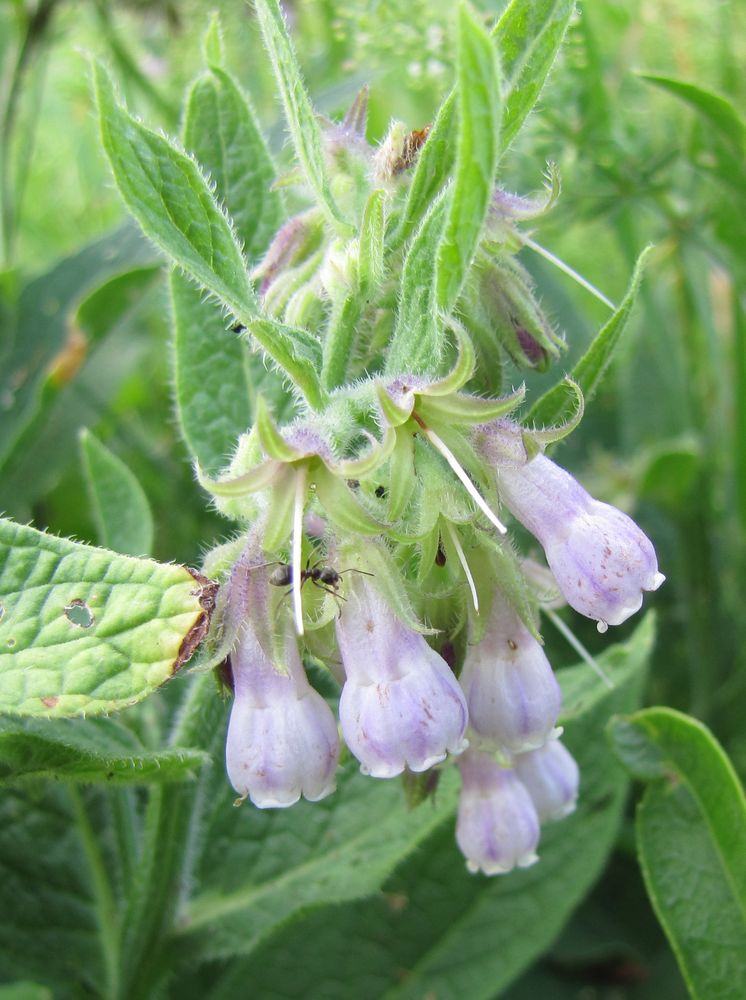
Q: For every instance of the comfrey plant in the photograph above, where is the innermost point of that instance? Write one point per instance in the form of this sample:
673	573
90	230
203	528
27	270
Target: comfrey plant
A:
373	440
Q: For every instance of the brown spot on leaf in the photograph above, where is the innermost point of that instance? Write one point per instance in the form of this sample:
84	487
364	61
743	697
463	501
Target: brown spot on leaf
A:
206	593
51	701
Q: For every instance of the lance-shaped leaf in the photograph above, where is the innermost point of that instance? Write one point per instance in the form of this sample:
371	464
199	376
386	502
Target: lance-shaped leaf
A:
301	119
717	110
479	105
370	263
169	196
120	508
221	129
84	631
432	171
528	36
417	341
535	439
97	750
691	830
402	479
463	368
556	405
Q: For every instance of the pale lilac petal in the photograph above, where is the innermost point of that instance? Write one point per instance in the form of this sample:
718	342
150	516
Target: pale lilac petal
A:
551	777
497	828
511	691
401	706
600	558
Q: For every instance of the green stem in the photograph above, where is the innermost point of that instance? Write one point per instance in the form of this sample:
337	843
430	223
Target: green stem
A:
106	907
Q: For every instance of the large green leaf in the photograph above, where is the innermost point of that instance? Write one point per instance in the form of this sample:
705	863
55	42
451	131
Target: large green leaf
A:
120	508
691	831
213	383
85	631
479	107
302	122
557	403
717	110
94	750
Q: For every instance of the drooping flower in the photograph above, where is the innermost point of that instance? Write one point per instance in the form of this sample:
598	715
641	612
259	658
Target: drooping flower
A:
551	777
497	827
513	696
601	559
282	736
401	706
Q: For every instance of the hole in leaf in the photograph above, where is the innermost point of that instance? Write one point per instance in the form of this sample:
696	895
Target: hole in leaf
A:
10	643
78	613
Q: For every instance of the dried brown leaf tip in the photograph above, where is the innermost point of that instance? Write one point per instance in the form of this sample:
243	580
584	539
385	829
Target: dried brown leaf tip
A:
206	593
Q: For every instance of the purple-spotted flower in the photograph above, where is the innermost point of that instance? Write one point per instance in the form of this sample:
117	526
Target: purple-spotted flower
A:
551	777
497	828
601	559
513	696
401	706
282	736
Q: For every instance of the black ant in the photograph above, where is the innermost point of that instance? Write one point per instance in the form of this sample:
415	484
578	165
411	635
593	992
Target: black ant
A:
324	577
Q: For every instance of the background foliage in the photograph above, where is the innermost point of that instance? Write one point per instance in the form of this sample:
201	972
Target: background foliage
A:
83	344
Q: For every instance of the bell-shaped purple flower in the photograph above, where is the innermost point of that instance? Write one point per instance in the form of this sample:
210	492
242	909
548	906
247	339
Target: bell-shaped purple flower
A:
282	736
401	706
497	827
602	561
513	696
551	777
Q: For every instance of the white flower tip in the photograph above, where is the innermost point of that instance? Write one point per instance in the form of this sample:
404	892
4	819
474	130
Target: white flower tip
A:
658	579
326	790
527	860
266	800
602	626
239	801
556	732
427	762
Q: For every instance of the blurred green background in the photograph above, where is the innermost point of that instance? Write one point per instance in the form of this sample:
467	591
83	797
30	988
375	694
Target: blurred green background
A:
639	162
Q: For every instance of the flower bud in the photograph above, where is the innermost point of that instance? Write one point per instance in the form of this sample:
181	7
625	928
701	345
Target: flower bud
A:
401	706
282	736
551	777
601	560
497	828
501	305
513	696
292	244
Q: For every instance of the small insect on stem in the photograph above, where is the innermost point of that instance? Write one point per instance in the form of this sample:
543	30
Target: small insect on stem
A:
326	578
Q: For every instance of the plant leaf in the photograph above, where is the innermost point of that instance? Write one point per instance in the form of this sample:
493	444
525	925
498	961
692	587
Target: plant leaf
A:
120	508
94	750
301	119
170	198
718	111
220	128
557	405
85	631
528	36
691	828
479	105
416	341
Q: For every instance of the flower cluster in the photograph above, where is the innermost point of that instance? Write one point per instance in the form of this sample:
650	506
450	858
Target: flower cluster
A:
376	540
402	706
